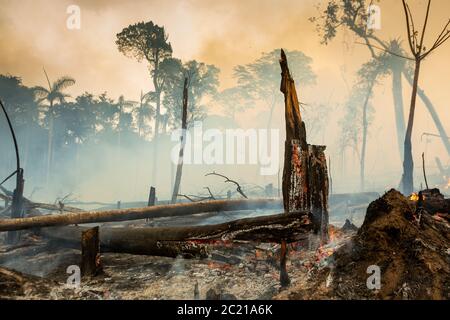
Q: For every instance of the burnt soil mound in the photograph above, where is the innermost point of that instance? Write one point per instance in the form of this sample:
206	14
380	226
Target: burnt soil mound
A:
413	256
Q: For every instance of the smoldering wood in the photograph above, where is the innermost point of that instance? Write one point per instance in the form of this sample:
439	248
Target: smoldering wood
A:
305	176
191	241
179	209
318	188
90	252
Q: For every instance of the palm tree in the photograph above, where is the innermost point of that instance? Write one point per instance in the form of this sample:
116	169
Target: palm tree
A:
144	111
54	94
124	119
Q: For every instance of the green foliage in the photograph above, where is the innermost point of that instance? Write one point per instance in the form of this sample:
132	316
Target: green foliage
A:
351	124
261	78
203	81
259	81
342	13
18	100
144	40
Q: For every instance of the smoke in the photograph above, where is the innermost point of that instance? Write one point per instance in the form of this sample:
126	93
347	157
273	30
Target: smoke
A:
224	33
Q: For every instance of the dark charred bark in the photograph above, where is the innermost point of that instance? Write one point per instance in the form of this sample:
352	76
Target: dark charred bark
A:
90	252
151	197
305	178
192	241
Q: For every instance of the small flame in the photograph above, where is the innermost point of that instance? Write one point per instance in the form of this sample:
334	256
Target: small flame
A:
448	184
414	197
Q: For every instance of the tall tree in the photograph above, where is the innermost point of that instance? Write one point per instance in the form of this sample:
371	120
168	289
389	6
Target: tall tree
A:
367	78
146	40
419	52
144	111
202	83
233	100
261	78
359	112
176	186
23	112
124	120
52	95
353	15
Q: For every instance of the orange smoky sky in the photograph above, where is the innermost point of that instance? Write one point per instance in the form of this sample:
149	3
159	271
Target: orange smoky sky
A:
225	33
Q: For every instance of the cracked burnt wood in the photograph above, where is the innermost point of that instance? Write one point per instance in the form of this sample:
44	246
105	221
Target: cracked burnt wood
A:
190	241
173	210
305	176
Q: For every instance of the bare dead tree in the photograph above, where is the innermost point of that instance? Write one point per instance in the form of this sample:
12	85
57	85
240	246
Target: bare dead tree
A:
238	186
419	52
17	197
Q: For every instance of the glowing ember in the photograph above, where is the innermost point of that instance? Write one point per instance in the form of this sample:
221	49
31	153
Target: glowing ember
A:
414	197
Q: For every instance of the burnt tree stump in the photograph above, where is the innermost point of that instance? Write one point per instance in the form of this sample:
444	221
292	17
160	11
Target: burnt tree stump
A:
151	197
90	252
305	177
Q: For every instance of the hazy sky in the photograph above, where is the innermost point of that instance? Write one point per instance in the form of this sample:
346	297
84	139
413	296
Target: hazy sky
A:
225	33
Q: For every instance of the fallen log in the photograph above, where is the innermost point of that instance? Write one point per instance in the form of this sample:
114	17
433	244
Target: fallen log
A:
179	209
193	240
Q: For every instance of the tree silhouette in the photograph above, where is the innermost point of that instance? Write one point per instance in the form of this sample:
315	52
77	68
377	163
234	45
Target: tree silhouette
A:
202	82
146	40
53	94
261	78
144	112
419	52
352	15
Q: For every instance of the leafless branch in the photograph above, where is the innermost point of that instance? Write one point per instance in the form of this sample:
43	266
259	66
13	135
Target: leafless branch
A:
386	50
424	27
238	186
408	26
210	193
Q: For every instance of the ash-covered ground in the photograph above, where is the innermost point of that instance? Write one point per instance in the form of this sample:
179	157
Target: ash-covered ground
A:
413	257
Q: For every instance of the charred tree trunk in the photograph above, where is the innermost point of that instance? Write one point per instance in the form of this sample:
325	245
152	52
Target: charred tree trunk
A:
305	178
180	209
191	241
177	182
151	197
90	252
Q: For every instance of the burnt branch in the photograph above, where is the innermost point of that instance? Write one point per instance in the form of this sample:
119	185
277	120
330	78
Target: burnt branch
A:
238	186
